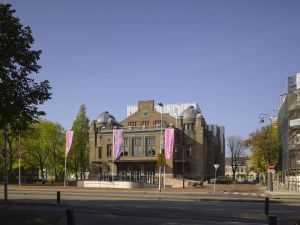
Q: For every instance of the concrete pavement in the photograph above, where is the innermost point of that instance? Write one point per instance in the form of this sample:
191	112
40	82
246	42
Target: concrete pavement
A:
32	202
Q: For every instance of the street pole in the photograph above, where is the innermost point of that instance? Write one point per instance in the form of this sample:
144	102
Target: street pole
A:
5	166
216	167
160	149
19	156
262	116
183	168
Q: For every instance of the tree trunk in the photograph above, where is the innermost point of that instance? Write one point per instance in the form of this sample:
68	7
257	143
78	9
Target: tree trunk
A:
42	172
55	174
10	153
76	171
81	162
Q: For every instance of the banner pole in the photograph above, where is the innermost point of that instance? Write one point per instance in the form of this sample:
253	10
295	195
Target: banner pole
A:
65	170
164	177
69	138
19	155
19	172
113	156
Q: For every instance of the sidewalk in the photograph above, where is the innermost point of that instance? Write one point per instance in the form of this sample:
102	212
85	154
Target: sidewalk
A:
206	188
281	192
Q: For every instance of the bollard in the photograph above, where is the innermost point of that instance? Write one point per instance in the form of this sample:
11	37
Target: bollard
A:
266	206
272	220
70	217
58	197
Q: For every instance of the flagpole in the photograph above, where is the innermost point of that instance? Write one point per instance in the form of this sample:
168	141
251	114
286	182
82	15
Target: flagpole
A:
19	155
113	164
69	138
19	172
65	169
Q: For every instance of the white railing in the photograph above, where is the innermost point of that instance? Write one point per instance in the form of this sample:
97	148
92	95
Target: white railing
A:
291	183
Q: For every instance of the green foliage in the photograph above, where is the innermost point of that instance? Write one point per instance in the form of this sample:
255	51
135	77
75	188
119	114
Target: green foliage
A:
56	144
43	148
264	146
78	158
20	95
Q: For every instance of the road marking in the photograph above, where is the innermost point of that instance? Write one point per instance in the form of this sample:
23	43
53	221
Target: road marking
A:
244	194
180	208
214	209
283	211
253	210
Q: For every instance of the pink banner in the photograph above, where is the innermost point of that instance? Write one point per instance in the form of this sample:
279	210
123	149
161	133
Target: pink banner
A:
117	143
169	143
69	138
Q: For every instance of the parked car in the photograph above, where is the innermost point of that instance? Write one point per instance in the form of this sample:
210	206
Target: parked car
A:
221	180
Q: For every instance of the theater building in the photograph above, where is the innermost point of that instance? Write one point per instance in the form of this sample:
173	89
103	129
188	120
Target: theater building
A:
197	146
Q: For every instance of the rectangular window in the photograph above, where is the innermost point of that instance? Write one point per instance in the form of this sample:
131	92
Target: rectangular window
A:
132	123
150	146
193	127
145	113
185	127
125	147
189	151
109	150
137	147
145	123
99	152
156	122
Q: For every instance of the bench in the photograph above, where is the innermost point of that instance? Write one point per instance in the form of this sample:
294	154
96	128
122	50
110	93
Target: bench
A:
196	184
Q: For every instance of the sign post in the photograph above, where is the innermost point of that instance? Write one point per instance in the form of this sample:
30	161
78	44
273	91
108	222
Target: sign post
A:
216	167
271	170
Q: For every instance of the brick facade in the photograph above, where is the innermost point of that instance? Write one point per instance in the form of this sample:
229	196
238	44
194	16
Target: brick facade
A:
196	148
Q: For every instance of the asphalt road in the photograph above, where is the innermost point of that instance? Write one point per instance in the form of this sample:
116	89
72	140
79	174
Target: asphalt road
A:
38	206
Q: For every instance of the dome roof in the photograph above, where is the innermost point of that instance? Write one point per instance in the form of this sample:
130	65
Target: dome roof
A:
189	113
105	117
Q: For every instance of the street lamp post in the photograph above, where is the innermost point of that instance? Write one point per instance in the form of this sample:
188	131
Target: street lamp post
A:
216	167
5	164
182	167
262	118
160	149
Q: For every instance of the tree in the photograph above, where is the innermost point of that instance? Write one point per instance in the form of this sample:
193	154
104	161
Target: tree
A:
264	147
20	95
237	150
55	143
79	153
43	148
36	151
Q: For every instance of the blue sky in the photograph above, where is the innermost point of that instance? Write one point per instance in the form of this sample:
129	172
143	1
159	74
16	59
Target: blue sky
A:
231	57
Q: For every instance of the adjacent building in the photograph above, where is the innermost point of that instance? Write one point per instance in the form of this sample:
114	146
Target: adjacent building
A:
289	127
197	145
244	171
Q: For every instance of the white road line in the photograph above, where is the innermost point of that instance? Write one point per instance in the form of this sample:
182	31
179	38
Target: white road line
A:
283	211
253	210
214	209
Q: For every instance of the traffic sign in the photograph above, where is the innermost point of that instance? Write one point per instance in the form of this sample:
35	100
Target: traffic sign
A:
271	166
271	171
